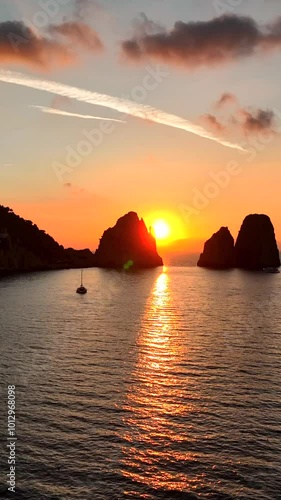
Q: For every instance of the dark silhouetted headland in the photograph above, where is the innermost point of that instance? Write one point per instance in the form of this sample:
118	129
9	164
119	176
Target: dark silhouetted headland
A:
128	245
24	247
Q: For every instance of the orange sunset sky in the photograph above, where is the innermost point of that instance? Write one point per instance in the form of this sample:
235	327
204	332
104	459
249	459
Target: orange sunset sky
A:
169	109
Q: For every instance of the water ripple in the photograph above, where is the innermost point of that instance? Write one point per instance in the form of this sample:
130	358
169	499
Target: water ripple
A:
156	385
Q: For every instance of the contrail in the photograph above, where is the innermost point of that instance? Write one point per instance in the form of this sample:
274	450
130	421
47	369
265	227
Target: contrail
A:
125	106
55	111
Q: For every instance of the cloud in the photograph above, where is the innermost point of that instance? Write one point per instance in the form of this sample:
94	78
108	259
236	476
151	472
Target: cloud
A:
124	106
92	9
19	44
57	46
206	43
257	121
242	120
213	123
55	111
78	33
225	99
143	26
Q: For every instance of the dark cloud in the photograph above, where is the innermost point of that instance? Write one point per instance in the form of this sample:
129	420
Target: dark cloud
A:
19	44
206	43
242	120
56	46
257	121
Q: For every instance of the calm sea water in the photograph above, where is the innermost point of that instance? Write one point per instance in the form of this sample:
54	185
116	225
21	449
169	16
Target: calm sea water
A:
155	385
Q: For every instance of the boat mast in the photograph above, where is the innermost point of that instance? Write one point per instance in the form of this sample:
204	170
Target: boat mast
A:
81	277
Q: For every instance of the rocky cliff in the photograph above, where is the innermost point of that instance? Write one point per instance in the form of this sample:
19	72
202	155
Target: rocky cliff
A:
128	244
256	245
218	251
24	247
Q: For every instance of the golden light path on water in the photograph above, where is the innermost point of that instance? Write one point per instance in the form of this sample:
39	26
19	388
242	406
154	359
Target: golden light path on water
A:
154	400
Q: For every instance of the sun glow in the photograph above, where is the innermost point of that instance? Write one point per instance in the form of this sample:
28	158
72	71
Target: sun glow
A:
166	226
161	229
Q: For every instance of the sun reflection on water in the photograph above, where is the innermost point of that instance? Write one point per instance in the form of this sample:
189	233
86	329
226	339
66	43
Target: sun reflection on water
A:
154	412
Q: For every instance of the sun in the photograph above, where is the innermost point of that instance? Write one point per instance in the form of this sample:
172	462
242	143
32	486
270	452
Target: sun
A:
166	226
161	229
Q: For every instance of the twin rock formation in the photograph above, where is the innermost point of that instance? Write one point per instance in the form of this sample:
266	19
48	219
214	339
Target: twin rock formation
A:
255	248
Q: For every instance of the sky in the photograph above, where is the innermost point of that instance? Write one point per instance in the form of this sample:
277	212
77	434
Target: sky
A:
168	108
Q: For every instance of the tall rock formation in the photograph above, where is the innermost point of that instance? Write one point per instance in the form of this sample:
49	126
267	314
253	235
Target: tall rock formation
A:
256	245
128	244
218	251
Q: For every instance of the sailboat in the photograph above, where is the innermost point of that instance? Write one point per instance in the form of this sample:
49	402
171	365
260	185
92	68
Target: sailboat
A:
81	289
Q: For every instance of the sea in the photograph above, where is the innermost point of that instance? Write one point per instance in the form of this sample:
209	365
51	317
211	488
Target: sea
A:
157	384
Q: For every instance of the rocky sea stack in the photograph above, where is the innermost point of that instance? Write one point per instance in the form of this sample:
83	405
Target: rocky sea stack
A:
256	246
218	251
128	245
